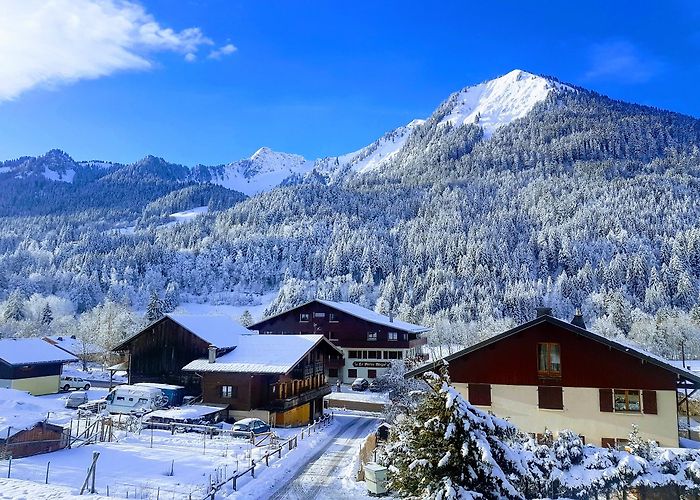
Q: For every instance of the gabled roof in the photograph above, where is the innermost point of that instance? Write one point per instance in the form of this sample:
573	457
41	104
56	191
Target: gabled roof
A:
276	354
625	347
358	312
32	351
217	330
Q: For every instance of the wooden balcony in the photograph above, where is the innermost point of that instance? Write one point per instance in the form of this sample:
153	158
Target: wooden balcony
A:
292	393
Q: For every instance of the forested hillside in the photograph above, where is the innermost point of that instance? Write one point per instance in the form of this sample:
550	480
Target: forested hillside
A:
584	202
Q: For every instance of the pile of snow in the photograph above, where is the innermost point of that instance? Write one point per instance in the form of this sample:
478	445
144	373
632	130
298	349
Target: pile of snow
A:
19	411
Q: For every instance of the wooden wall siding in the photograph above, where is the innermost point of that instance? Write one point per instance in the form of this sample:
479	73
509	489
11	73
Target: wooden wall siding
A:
248	389
349	331
159	354
584	363
29	371
43	438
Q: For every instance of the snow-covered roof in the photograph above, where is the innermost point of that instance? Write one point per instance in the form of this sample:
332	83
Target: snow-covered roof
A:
261	354
72	345
19	411
373	317
29	351
182	413
218	330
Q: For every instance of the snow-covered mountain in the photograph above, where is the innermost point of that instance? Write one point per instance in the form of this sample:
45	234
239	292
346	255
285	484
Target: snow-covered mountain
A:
498	102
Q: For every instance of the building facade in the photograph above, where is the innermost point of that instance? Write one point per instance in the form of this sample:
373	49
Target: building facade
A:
550	374
31	365
369	341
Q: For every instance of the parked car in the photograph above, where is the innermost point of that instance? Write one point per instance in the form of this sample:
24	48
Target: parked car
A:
360	384
375	386
67	383
248	425
75	399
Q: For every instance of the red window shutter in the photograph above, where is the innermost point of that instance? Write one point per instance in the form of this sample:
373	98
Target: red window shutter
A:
649	402
606	399
480	394
550	397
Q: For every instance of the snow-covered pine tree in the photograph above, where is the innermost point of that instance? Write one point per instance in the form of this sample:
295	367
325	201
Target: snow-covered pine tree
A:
154	311
246	318
46	315
448	449
14	309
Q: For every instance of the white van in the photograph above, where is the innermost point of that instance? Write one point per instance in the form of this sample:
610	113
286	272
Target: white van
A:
134	399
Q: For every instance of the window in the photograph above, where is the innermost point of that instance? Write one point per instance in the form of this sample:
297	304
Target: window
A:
374	355
372	336
332	318
480	394
394	354
617	443
229	391
352	373
372	373
333	372
353	354
393	336
627	401
548	360
319	315
550	397
304	318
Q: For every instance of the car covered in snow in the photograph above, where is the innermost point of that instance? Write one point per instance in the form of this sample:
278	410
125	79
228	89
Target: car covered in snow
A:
75	399
247	425
360	384
67	383
375	386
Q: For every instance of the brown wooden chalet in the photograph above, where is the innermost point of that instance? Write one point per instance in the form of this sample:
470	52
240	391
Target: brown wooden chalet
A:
552	374
42	437
278	378
369	341
158	352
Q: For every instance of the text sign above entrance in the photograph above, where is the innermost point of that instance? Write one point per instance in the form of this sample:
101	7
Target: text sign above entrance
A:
371	364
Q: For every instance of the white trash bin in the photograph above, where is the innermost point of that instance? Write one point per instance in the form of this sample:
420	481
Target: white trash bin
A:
376	478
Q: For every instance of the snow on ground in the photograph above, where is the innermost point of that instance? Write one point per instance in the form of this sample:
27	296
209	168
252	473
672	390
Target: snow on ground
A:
66	176
132	465
18	489
95	372
232	311
188	215
347	394
500	101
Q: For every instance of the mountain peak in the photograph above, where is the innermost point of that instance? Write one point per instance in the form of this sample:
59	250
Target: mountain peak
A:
498	102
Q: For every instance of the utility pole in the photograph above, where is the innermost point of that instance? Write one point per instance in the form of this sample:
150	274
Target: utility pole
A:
685	390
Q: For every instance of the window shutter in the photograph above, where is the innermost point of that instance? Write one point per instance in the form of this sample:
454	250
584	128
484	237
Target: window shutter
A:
607	442
550	397
480	394
649	402
606	400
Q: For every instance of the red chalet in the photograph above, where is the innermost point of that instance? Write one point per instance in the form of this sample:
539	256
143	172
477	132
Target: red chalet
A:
370	341
550	374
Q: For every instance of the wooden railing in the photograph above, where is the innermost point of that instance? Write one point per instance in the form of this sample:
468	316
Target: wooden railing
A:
292	388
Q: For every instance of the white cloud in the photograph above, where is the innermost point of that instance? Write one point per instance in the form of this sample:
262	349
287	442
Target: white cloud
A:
222	51
621	61
45	43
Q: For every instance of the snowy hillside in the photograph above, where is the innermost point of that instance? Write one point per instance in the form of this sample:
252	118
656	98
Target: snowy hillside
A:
498	102
263	171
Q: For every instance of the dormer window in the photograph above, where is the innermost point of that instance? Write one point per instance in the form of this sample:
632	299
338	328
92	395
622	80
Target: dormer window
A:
332	318
304	318
371	336
393	336
548	359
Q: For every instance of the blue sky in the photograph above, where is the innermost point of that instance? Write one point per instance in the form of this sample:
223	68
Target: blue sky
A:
314	78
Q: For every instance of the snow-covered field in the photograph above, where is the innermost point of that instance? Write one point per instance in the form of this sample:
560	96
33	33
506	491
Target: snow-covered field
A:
233	312
140	465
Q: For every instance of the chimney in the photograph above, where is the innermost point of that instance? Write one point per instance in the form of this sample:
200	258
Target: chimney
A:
212	354
543	311
577	320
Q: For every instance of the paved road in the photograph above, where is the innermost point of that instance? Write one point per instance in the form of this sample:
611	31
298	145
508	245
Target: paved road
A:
321	477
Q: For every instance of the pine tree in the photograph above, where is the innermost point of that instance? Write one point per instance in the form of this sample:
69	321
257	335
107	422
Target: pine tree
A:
154	311
446	448
246	318
46	315
14	309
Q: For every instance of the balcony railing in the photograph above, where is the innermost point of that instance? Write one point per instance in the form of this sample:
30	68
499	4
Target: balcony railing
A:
285	395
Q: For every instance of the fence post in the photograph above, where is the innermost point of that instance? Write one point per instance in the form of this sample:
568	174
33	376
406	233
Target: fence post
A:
9	465
252	470
48	464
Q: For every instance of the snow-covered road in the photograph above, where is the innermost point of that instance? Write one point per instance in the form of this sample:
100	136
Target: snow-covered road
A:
328	474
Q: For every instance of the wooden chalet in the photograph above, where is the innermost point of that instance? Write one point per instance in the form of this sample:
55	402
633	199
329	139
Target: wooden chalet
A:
31	365
280	379
158	352
551	374
368	340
